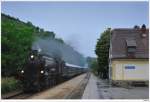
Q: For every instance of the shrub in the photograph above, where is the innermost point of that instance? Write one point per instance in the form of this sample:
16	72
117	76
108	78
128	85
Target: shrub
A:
9	84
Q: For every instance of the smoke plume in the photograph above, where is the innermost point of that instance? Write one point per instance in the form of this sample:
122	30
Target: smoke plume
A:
55	49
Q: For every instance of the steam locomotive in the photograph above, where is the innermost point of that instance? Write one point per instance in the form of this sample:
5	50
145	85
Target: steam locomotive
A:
43	71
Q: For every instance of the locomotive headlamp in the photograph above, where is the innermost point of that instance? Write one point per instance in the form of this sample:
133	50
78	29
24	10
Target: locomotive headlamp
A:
22	71
32	56
42	71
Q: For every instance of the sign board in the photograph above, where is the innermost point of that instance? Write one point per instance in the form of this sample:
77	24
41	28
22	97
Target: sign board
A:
129	66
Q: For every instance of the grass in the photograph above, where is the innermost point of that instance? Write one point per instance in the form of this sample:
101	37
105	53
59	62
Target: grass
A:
9	84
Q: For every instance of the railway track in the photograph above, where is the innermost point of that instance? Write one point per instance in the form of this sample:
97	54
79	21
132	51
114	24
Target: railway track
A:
11	94
21	96
61	87
17	95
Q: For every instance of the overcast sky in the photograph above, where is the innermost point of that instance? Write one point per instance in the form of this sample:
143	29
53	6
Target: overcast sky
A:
79	23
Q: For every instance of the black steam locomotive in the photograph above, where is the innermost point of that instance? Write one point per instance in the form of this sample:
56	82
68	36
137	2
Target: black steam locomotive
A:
43	71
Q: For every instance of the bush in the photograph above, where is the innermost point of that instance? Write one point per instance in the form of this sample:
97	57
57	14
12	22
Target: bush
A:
9	84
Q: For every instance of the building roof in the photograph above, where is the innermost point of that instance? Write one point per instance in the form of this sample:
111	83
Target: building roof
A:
123	37
131	42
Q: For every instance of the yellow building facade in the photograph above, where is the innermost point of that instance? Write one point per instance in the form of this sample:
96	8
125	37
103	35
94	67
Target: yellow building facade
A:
130	70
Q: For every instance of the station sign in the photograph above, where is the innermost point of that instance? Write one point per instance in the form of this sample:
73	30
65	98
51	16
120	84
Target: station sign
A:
129	66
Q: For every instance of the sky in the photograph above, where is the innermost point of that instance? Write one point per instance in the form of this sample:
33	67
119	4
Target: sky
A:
79	23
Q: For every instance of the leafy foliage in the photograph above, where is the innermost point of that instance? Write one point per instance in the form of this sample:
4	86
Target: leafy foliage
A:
102	52
94	66
46	34
59	40
90	60
16	39
9	84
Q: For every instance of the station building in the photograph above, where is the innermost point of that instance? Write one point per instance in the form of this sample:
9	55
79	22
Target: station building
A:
129	55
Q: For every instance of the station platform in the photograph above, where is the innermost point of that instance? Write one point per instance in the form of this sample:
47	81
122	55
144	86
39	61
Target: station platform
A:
91	90
101	89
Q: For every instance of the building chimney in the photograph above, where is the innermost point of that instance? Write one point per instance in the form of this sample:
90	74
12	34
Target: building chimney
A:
143	28
143	31
136	27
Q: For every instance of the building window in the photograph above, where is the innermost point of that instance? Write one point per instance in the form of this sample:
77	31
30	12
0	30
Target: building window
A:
131	47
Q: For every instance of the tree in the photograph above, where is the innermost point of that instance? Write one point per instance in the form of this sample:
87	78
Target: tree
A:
94	66
16	41
59	40
37	29
49	34
90	61
41	30
29	23
102	52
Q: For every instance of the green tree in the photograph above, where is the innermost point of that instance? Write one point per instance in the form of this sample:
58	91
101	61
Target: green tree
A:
29	23
102	52
37	29
49	34
59	40
16	40
90	60
94	66
41	30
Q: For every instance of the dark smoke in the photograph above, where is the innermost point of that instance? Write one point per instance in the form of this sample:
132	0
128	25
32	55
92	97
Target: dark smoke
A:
55	49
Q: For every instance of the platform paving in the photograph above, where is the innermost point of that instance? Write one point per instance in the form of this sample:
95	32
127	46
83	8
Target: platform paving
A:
91	90
102	89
